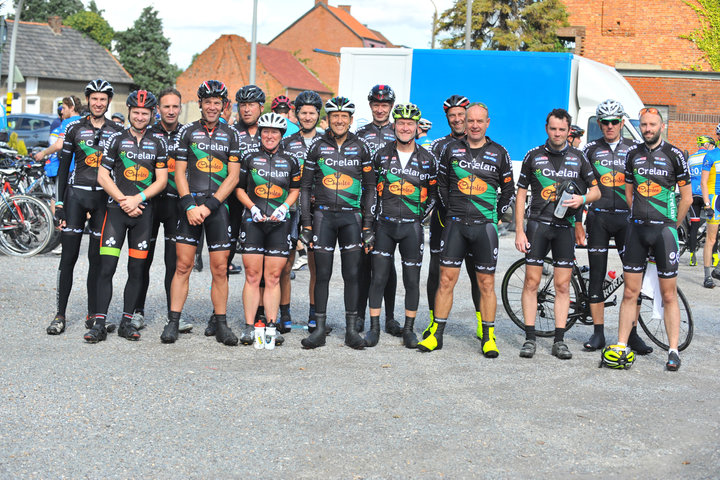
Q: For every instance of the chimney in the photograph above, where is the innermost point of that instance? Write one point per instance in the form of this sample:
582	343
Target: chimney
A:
321	1
344	7
55	23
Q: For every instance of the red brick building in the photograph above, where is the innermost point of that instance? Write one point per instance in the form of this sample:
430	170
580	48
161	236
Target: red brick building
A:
318	36
277	72
642	40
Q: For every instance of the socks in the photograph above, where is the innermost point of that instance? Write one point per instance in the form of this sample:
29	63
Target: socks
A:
708	271
530	332
174	316
559	334
127	317
599	329
440	326
486	326
100	319
285	309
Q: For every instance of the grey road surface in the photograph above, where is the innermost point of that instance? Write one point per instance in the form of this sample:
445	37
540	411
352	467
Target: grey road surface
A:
198	409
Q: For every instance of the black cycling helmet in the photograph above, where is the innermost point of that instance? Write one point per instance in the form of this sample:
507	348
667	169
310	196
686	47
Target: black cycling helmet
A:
119	116
339	104
99	86
456	101
381	93
213	89
576	132
141	98
308	97
250	94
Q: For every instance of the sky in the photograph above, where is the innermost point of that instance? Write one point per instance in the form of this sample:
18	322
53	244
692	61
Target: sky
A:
192	26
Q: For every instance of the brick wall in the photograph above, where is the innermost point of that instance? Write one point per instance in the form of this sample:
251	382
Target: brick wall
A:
694	105
638	32
318	29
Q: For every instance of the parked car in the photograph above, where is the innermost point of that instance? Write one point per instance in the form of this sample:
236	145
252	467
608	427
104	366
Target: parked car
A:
33	129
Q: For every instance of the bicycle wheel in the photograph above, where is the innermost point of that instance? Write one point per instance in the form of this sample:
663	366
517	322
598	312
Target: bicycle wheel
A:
56	233
511	292
26	226
653	323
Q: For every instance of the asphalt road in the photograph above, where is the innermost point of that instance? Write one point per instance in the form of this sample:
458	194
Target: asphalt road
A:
197	409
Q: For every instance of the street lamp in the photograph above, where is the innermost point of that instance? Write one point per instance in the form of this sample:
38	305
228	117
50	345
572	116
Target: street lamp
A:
434	25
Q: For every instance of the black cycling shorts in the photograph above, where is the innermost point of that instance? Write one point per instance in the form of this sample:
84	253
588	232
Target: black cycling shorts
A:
78	203
436	229
271	239
216	225
408	236
602	226
543	238
696	209
165	211
343	228
459	239
139	230
659	240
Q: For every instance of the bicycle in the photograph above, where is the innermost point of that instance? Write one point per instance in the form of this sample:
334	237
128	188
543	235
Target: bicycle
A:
652	323
26	225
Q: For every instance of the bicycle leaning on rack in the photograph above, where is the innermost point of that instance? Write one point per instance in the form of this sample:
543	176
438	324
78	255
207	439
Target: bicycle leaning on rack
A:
651	318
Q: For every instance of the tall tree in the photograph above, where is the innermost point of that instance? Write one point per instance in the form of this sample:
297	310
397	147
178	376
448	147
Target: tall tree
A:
505	25
41	10
93	25
143	51
707	37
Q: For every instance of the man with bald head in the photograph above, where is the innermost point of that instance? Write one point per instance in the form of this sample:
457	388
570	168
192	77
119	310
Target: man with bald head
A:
475	185
652	171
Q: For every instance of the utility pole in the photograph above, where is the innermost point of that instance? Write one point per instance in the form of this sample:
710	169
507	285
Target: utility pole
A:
11	62
253	44
468	25
434	26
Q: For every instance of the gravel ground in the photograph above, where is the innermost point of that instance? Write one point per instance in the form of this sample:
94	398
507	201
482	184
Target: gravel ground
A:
198	409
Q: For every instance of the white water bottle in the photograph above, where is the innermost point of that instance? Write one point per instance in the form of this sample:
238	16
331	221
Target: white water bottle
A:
259	336
560	210
270	332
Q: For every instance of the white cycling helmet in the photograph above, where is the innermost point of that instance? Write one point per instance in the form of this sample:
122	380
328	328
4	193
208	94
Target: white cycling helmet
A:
424	123
272	120
610	109
717	129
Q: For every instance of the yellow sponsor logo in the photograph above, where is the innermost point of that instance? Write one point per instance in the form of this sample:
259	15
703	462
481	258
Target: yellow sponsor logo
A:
138	174
268	190
649	189
338	181
404	189
93	160
476	187
610	180
206	166
548	193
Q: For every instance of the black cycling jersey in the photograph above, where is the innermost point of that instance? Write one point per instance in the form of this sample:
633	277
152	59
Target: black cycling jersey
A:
85	143
543	169
653	175
267	179
132	162
340	178
609	169
468	184
404	194
376	137
245	139
298	147
158	131
207	153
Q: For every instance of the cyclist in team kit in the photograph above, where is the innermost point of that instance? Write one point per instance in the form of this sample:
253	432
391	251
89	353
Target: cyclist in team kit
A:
606	217
377	134
269	185
424	126
165	205
406	188
710	190
652	171
695	213
472	170
549	171
206	173
282	105
455	108
80	194
137	161
338	173
575	137
308	105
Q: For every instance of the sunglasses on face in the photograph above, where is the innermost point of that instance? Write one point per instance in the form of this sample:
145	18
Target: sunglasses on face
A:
614	121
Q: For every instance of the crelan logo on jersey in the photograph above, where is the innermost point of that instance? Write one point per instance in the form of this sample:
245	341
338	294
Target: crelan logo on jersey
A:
476	187
268	190
138	174
212	166
93	160
402	189
610	180
649	189
548	193
338	181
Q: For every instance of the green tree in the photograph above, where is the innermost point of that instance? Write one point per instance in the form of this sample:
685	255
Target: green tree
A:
93	25
707	37
41	10
143	51
505	25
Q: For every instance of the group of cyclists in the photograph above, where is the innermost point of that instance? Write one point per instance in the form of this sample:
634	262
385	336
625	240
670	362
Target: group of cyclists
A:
367	193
